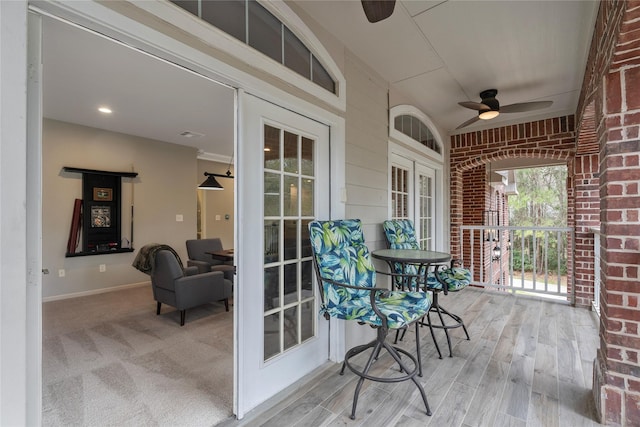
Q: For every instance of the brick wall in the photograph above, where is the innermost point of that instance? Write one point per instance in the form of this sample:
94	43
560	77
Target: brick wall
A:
470	194
612	85
544	139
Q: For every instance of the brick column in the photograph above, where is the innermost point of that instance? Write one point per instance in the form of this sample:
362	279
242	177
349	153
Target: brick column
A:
617	367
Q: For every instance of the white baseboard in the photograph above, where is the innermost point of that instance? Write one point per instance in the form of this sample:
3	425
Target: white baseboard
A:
95	291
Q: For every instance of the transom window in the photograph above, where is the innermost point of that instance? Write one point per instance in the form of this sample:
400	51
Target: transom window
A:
415	129
251	23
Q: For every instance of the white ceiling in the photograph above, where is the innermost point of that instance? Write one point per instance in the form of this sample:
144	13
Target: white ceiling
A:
434	53
150	98
439	53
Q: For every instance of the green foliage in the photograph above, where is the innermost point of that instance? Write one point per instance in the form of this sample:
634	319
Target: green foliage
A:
541	202
542	198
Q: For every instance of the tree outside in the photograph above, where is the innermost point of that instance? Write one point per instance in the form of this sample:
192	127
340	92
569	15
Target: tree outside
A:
541	202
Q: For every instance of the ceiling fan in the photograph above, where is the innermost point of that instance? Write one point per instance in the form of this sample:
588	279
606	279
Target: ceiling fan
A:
490	108
377	10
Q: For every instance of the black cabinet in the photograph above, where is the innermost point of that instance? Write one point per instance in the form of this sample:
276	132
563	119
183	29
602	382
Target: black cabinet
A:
100	221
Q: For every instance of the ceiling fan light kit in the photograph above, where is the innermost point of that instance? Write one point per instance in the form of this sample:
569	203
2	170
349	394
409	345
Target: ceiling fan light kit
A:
489	108
488	115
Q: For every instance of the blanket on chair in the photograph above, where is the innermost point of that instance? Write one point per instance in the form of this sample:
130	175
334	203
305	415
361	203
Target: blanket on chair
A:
145	260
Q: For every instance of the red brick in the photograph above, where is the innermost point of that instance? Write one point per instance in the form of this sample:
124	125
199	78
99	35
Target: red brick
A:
632	87
612	406
630	161
614	94
632	409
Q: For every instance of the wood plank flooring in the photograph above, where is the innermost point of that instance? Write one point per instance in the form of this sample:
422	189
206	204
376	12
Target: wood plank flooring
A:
528	363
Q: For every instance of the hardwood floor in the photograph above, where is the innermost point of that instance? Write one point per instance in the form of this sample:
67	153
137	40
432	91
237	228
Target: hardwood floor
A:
528	363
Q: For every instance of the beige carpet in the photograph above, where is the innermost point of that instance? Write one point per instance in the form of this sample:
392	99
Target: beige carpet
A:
108	360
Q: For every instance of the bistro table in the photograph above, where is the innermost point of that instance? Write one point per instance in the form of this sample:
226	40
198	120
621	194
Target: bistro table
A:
413	279
422	260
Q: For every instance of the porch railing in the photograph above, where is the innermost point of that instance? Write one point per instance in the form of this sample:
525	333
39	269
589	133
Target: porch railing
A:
531	260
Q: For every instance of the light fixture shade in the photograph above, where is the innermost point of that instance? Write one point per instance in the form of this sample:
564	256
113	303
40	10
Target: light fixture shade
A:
210	183
488	114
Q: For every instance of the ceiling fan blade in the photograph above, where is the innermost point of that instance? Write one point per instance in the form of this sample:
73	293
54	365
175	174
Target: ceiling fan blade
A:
468	122
475	105
377	10
525	106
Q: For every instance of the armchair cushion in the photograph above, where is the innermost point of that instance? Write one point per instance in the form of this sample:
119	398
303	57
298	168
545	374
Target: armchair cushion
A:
184	289
198	257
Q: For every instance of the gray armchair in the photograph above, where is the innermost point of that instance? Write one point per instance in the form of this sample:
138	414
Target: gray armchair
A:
186	289
198	257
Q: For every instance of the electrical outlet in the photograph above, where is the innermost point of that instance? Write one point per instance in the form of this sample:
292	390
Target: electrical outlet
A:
217	217
103	268
179	218
61	272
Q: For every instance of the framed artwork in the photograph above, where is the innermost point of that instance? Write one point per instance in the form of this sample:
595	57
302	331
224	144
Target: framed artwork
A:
102	194
100	216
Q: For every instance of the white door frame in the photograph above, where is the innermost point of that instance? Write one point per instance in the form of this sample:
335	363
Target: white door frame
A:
98	17
289	366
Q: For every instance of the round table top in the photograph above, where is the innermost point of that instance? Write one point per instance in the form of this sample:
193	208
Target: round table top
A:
414	256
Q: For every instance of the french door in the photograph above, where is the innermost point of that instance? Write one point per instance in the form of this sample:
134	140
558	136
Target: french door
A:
283	185
413	196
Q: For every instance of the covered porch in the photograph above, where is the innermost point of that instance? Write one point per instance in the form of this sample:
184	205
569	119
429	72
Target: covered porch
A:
529	363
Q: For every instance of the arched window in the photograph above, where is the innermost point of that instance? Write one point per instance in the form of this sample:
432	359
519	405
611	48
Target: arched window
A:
251	23
410	125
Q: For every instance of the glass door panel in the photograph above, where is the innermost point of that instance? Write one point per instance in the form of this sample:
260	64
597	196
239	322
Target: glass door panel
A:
297	209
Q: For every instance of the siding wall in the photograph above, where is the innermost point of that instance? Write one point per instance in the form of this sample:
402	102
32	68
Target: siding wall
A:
367	138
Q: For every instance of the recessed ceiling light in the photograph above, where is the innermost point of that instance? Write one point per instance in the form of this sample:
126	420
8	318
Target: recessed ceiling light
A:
105	110
190	134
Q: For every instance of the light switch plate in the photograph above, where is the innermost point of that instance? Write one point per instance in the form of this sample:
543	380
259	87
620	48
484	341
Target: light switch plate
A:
179	218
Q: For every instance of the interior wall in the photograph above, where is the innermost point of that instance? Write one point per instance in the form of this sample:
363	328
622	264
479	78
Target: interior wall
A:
218	208
163	189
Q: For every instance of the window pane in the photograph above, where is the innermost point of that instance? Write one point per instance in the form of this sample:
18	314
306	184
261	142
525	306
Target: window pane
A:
397	123
306	320
290	204
265	32
305	243
296	55
271	147
290	239
406	125
228	15
271	241
415	129
271	194
290	152
290	327
190	6
307	279
307	197
290	283
321	77
271	288
307	156
271	335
